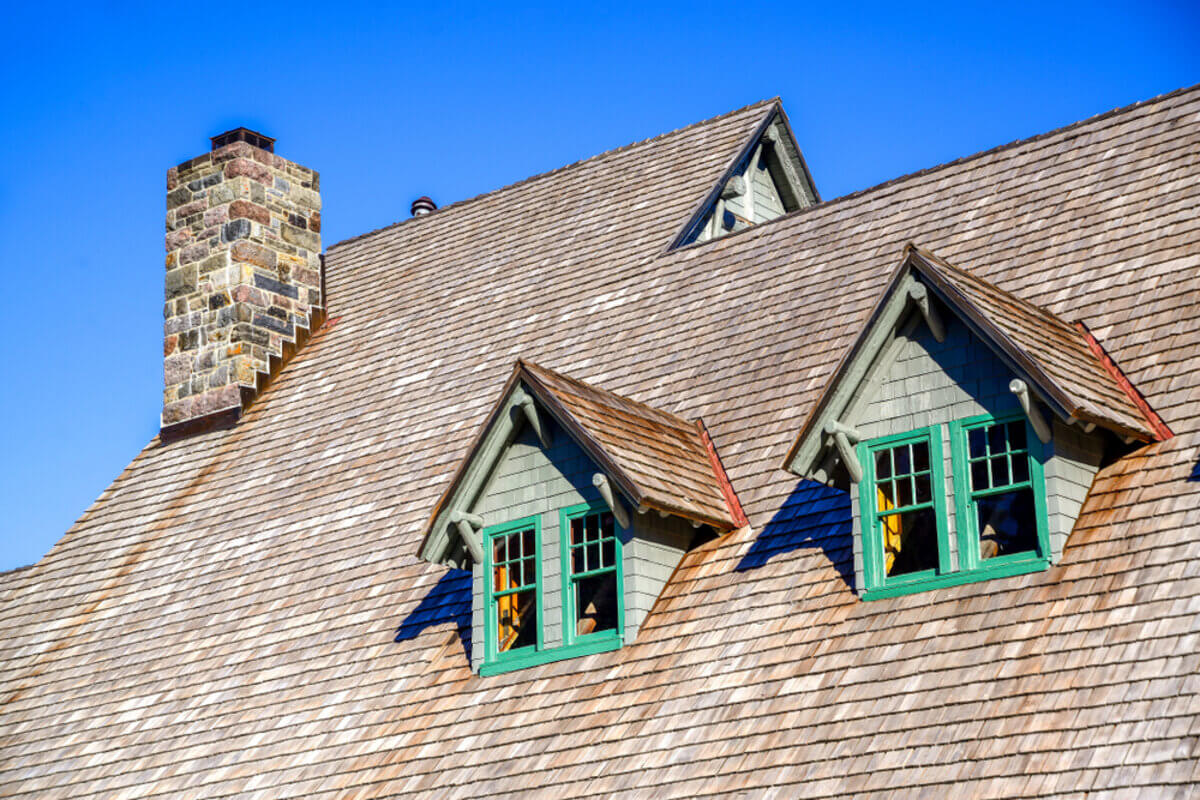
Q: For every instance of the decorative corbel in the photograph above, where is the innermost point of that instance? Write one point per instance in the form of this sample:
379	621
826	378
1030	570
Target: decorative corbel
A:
1040	426
468	528
600	481
920	296
844	437
529	407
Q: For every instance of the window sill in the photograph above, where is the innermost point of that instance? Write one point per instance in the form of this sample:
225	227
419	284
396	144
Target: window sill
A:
984	573
601	645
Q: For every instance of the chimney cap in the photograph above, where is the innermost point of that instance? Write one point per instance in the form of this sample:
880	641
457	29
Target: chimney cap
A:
422	206
243	135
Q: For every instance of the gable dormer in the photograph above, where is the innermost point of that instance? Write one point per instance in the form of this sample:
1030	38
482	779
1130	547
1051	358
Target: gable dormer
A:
572	509
967	425
767	180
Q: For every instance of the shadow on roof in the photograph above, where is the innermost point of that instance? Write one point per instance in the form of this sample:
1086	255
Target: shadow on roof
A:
814	515
448	601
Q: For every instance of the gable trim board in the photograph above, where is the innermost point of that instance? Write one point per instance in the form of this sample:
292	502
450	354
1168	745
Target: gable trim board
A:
868	354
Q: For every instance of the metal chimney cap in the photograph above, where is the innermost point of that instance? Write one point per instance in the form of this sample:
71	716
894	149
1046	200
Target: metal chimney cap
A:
243	135
422	206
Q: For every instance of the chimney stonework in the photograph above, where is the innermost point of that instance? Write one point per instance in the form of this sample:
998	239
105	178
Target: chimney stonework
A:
243	284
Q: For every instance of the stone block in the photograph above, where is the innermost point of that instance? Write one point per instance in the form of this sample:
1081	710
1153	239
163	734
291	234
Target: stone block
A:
181	281
237	229
277	287
216	216
176	369
219	195
178	196
300	238
179	238
193	252
251	169
314	222
250	253
243	209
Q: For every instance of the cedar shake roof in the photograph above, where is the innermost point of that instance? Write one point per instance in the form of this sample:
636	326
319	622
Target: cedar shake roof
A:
241	613
658	460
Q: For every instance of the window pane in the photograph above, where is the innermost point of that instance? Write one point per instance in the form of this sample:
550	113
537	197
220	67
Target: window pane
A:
906	492
976	441
1000	471
979	475
606	524
528	547
596	604
903	463
498	550
577	531
1007	523
593	556
1016	435
593	527
516	620
883	464
924	494
910	541
996	439
530	571
1020	468
609	553
577	559
921	457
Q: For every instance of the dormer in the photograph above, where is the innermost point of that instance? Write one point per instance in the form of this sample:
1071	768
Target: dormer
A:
967	425
572	508
767	180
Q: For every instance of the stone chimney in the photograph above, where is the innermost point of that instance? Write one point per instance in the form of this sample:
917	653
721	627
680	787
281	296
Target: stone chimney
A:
243	286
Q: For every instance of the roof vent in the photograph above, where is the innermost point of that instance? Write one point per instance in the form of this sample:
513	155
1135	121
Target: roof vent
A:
243	135
422	206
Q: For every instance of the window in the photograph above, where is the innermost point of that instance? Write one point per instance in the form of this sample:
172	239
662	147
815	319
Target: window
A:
513	570
593	596
999	506
1000	494
904	516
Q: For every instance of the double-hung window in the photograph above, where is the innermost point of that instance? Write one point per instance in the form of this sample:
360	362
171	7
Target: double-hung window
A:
593	602
1000	502
904	519
513	569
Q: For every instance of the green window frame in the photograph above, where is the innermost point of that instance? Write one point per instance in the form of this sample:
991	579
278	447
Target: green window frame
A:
579	564
1006	464
988	465
498	539
875	519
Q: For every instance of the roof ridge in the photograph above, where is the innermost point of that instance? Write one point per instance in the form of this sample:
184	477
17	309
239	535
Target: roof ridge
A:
859	193
564	168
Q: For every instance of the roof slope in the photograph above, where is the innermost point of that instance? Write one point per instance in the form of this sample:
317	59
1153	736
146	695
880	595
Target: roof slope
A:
663	455
1071	372
240	613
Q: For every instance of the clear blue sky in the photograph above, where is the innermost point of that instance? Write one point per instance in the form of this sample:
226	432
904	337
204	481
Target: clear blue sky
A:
96	102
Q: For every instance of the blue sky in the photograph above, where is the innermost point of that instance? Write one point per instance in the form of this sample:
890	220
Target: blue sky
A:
391	102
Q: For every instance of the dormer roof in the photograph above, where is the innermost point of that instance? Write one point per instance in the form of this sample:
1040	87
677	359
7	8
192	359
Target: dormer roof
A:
657	460
1062	364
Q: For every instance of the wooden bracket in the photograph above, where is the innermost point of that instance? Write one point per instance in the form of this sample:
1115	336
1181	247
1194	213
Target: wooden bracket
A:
600	481
920	296
468	528
527	405
842	437
1040	426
